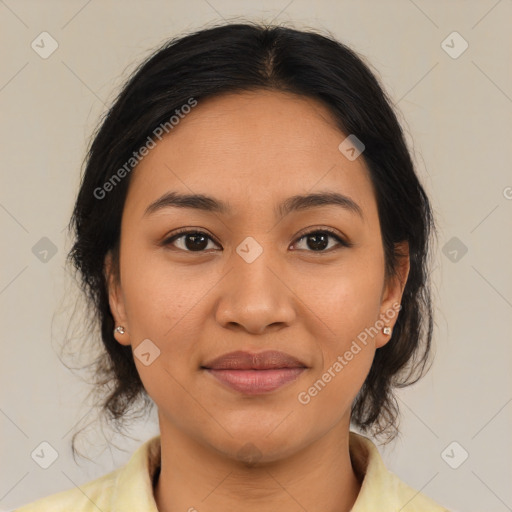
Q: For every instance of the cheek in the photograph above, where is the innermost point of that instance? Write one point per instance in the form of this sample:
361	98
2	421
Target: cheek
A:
350	310
165	309
159	305
160	298
346	298
330	395
347	303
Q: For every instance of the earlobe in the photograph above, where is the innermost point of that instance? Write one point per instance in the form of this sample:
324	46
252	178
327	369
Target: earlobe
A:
116	301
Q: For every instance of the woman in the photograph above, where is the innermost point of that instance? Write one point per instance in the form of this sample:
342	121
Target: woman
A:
253	238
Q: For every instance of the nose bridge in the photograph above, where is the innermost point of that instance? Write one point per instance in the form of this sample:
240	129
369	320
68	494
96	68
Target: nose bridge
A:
251	266
253	295
252	276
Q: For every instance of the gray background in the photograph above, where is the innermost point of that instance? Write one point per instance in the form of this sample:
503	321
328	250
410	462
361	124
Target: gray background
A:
457	116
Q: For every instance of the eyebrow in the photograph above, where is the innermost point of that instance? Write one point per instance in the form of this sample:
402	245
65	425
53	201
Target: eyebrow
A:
294	203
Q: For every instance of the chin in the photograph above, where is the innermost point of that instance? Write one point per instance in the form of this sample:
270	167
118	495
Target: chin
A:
255	445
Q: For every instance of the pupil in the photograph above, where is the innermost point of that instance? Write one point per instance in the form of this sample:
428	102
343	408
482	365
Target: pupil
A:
321	245
196	243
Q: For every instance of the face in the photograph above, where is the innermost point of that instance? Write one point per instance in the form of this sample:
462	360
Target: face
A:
305	280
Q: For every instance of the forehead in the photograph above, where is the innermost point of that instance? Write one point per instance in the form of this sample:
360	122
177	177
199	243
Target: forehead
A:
249	148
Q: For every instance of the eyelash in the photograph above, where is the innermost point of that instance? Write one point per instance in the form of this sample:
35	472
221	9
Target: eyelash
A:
185	231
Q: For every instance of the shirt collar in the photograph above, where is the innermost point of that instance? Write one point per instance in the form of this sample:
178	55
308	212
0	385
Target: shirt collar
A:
133	489
380	489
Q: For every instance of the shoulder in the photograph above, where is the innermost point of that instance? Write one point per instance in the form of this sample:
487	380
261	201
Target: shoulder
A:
126	488
411	500
92	496
380	488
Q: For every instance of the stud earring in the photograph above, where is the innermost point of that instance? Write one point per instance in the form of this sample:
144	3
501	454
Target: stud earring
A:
119	329
386	330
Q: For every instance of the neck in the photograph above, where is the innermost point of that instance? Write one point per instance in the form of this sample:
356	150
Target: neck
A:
194	477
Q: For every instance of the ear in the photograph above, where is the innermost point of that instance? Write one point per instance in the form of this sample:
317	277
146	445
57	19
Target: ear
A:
392	293
116	300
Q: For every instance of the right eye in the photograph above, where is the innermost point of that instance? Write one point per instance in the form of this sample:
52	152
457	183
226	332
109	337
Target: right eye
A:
190	241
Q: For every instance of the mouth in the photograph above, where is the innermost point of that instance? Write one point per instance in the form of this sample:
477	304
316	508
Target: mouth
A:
252	374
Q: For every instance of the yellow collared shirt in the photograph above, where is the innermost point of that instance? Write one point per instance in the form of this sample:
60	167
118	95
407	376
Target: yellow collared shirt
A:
130	487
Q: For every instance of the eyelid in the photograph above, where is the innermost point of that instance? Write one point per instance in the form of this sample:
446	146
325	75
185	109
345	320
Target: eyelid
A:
341	239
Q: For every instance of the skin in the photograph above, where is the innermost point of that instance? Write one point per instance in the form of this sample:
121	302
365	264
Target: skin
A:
252	150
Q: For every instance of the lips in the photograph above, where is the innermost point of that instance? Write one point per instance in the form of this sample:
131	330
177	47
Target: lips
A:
253	374
240	360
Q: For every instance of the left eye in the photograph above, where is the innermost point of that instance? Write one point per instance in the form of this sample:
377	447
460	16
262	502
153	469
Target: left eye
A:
319	240
197	241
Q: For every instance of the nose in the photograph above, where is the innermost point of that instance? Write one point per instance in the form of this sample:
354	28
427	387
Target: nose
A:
255	296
